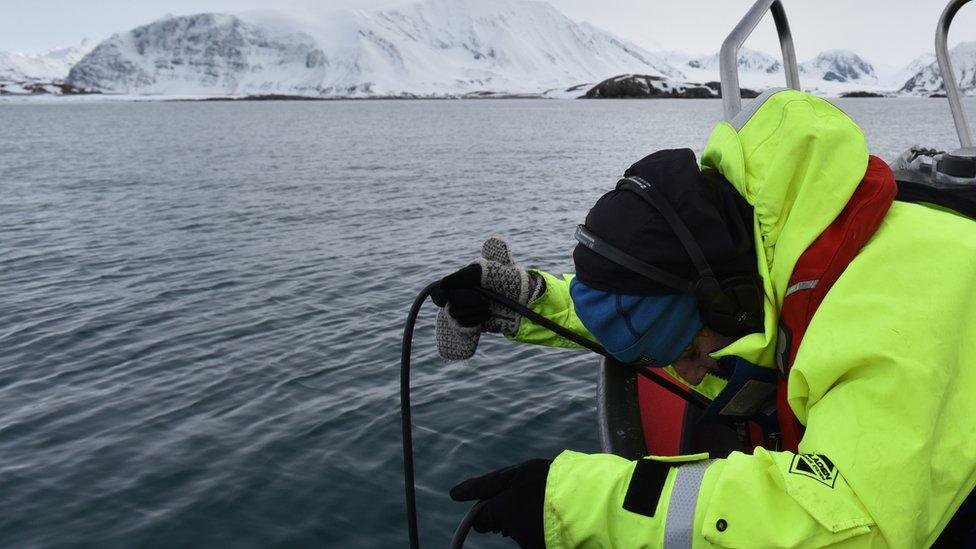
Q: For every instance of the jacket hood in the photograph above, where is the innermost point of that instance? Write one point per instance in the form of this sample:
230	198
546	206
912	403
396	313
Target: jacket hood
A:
797	159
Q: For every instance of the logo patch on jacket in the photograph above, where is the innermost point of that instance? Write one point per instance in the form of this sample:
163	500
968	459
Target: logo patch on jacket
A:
815	466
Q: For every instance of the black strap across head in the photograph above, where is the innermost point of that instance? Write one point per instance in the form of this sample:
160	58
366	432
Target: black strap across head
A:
731	305
585	237
707	285
705	288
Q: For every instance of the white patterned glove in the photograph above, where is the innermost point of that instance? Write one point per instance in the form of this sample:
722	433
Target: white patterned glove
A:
465	313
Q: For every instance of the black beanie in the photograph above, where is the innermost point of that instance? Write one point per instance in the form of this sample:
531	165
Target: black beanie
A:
716	214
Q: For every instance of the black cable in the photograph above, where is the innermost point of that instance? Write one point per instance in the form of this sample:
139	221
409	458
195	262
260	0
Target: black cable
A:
410	488
406	347
689	396
461	534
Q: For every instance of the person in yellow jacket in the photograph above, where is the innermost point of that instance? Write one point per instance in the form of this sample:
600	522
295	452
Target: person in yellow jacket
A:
884	380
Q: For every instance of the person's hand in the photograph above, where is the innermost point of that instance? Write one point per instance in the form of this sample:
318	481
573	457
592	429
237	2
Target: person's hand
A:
465	313
456	293
514	500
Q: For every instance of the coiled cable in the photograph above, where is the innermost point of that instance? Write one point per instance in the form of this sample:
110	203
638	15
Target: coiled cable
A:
406	346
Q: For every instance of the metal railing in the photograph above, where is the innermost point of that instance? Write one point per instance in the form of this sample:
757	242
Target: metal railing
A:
948	76
729	55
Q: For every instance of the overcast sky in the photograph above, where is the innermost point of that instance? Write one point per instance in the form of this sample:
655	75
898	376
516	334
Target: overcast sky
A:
885	32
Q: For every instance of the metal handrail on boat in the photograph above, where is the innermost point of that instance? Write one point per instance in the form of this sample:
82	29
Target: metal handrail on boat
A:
948	76
729	54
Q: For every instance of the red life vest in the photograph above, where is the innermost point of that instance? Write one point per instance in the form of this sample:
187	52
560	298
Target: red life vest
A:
818	269
668	427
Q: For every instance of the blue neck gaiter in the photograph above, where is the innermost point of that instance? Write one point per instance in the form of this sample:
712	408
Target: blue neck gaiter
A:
646	329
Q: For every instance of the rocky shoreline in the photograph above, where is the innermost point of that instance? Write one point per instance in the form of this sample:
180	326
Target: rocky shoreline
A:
39	88
627	86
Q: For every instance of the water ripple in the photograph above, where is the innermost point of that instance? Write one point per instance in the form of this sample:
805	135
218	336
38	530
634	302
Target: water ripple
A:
203	302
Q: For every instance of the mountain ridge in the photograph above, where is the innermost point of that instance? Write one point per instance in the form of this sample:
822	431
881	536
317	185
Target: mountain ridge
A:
839	65
749	61
425	48
928	80
430	48
41	72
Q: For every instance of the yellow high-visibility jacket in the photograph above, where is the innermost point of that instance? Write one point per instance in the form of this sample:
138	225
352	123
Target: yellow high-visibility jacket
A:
884	380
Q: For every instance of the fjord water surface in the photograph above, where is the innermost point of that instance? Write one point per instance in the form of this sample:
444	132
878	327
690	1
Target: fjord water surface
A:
201	306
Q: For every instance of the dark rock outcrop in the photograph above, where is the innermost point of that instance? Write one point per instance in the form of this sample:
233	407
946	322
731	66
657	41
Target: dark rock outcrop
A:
644	86
861	94
40	88
627	86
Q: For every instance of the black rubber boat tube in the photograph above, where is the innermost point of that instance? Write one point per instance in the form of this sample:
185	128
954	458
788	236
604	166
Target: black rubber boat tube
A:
406	347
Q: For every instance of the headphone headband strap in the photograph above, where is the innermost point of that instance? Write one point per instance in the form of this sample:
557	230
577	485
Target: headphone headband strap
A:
656	200
599	246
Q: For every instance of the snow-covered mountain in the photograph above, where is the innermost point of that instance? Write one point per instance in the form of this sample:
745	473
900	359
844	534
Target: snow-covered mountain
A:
19	71
750	61
478	48
209	52
893	78
928	79
839	66
432	47
675	58
830	73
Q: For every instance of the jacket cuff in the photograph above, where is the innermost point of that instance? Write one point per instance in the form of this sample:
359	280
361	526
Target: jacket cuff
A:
555	304
602	500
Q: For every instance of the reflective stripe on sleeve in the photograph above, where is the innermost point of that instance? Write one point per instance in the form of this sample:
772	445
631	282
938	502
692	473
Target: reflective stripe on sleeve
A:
681	509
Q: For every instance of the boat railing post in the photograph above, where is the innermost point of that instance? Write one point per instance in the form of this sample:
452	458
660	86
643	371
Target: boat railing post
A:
729	55
948	76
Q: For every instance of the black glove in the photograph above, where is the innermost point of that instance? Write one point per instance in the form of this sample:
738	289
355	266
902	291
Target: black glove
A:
465	313
515	497
467	307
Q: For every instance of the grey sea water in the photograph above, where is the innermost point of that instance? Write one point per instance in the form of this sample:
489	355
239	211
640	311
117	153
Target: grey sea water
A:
201	306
